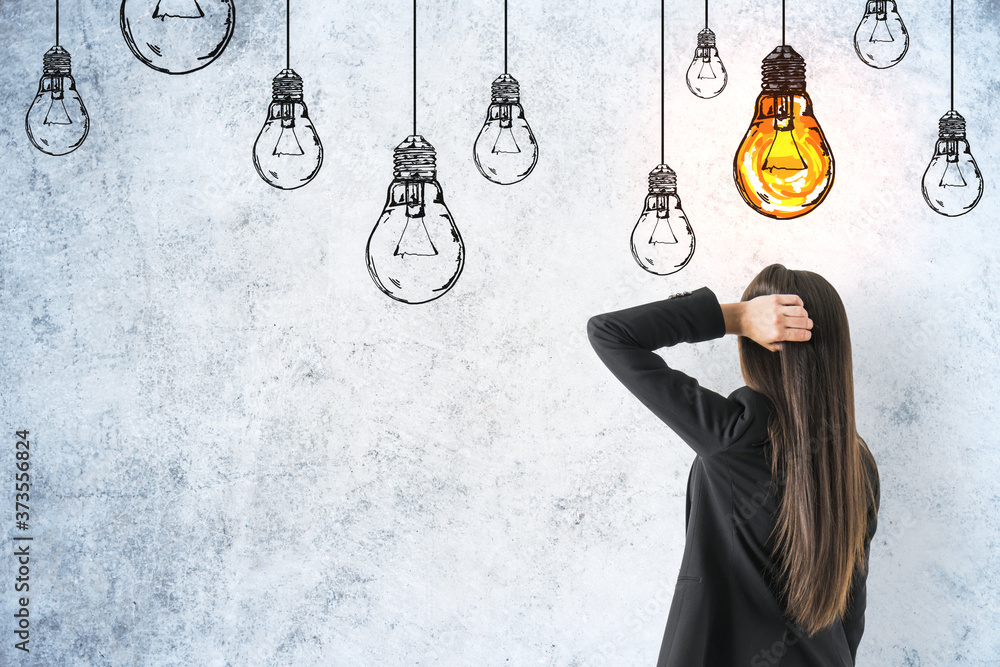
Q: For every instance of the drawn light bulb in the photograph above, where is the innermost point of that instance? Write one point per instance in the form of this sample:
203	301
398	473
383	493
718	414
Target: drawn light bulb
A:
783	167
415	253
505	149
952	184
57	122
662	241
881	40
177	36
706	77
288	152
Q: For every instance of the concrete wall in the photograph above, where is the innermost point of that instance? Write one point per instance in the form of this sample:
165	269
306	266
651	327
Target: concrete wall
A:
245	454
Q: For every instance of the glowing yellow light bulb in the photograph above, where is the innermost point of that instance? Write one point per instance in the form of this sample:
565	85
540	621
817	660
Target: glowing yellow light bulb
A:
784	167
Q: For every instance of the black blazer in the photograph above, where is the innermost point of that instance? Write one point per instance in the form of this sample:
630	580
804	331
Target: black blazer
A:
726	608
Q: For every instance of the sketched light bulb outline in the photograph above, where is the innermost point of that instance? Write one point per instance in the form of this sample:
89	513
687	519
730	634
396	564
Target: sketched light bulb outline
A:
706	76
662	240
177	36
415	253
505	150
784	167
57	122
288	152
881	39
952	184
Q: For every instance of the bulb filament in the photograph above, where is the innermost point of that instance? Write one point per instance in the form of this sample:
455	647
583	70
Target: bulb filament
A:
952	176
177	9
662	231
880	33
288	141
56	114
706	71
505	143
415	240
783	155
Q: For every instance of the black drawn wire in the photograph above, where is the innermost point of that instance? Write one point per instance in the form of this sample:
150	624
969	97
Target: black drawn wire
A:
952	55
414	67
662	86
706	14
505	37
782	22
57	22
288	34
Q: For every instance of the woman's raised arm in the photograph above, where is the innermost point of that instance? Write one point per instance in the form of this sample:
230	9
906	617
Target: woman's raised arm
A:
625	341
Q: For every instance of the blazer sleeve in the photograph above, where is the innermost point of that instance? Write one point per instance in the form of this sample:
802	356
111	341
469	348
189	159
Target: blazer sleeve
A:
854	619
625	341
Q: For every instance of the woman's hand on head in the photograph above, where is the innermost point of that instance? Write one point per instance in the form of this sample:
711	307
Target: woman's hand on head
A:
769	320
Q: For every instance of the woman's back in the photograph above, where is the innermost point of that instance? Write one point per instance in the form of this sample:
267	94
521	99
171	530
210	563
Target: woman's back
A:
728	603
726	608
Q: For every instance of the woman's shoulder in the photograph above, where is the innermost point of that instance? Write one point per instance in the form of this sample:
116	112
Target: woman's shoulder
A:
745	429
757	411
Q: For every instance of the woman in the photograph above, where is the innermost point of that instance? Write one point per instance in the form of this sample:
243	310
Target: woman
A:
783	495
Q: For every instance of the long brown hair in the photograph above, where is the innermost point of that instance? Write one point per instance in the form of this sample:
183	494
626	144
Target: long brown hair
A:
818	460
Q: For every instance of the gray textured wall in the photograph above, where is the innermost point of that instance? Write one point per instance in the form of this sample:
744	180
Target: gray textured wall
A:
245	454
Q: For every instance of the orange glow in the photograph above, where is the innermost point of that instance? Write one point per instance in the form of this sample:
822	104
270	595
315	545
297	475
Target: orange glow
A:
784	167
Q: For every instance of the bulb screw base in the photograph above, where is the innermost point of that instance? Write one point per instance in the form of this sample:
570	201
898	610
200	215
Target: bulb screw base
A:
56	62
662	181
951	126
783	71
414	160
706	39
287	86
506	90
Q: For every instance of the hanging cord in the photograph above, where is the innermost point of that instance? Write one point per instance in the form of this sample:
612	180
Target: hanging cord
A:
952	55
782	22
706	14
414	66
505	36
57	22
662	67
288	34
